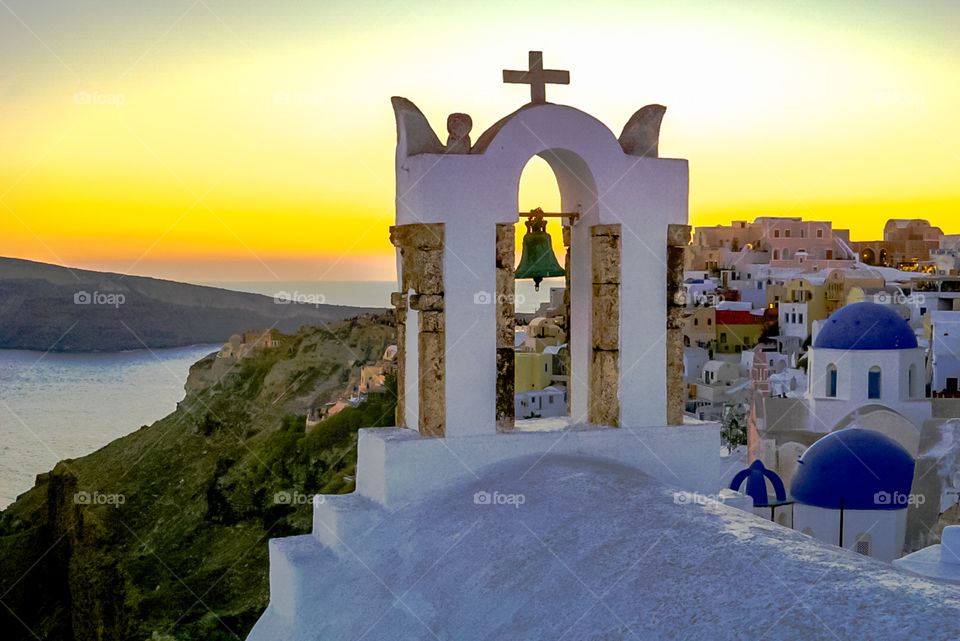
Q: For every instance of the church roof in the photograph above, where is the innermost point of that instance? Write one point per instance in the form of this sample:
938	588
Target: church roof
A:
856	469
595	551
862	326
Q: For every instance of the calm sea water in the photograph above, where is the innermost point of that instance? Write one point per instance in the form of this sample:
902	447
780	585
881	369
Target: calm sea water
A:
371	293
56	406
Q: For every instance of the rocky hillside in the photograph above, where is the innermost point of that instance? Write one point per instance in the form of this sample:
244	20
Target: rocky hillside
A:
162	534
47	307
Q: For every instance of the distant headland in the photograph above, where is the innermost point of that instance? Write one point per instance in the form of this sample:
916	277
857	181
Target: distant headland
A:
52	308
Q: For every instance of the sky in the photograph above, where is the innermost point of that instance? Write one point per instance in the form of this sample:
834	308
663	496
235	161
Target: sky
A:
209	141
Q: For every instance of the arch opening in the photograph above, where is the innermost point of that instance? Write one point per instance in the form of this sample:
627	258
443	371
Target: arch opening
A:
551	367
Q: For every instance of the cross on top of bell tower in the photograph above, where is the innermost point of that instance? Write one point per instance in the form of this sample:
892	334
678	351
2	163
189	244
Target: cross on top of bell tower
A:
537	77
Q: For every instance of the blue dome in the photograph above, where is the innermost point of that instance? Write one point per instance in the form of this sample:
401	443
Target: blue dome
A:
865	326
856	469
756	476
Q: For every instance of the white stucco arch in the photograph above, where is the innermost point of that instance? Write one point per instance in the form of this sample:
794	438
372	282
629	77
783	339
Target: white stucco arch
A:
471	193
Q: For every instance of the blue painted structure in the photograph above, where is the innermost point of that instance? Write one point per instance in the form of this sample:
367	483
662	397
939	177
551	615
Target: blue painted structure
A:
865	326
757	476
854	469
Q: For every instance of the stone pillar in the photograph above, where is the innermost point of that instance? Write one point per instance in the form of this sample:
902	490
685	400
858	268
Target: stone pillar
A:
506	324
421	266
678	236
603	404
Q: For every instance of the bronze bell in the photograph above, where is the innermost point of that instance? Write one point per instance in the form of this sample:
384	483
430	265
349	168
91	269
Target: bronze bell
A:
537	260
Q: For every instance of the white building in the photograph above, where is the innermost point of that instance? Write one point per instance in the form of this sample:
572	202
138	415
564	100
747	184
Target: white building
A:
851	488
794	320
945	332
548	402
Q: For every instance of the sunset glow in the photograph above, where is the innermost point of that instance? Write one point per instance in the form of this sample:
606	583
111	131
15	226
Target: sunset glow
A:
210	141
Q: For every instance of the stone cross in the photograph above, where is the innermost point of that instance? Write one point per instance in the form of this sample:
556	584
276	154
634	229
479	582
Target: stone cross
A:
537	77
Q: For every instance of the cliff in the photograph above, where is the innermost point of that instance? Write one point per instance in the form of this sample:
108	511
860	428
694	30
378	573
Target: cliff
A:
162	534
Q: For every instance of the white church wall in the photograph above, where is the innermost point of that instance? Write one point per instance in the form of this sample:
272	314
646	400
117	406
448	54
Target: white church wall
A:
411	372
886	530
391	461
824	524
853	368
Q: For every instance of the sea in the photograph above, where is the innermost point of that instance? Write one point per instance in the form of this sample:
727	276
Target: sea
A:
55	406
66	405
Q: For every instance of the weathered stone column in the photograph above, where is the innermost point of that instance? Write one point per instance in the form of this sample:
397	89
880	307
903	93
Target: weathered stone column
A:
421	266
504	299
603	403
678	237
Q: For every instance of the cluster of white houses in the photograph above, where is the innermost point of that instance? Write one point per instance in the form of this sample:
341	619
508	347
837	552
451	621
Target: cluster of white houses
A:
830	356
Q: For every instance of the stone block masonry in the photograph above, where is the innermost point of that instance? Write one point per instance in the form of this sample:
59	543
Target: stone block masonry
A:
422	289
604	384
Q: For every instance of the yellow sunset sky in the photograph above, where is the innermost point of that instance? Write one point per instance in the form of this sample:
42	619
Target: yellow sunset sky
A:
254	141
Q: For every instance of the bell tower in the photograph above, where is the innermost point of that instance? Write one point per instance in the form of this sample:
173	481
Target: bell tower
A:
456	207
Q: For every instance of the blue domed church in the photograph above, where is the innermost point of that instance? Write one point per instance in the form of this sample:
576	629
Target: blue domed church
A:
866	368
852	489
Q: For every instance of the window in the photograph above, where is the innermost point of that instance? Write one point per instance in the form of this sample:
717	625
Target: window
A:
776	233
723	337
819	233
863	545
873	383
709	321
829	254
832	380
786	234
776	254
696	321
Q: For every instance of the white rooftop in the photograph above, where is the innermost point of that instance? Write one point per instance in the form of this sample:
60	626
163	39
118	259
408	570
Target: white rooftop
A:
560	547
